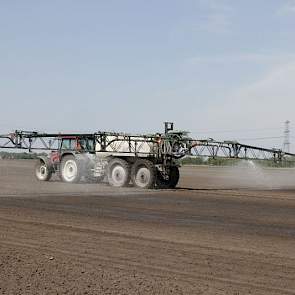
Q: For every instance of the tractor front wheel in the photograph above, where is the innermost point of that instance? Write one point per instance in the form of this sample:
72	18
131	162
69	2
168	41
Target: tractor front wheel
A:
42	171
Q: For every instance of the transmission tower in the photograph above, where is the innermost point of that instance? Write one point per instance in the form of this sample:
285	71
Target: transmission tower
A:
286	145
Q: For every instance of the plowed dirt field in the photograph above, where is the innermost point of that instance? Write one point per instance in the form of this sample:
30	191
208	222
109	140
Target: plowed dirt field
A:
222	231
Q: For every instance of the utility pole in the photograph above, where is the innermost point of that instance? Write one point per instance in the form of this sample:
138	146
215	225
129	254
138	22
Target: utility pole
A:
286	145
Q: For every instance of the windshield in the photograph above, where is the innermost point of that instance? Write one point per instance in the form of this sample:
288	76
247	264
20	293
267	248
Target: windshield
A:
79	144
68	144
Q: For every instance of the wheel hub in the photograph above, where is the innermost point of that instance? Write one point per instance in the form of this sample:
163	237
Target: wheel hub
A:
118	175
70	170
143	176
42	170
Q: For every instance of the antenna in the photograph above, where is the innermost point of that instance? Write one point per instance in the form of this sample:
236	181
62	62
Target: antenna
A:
286	145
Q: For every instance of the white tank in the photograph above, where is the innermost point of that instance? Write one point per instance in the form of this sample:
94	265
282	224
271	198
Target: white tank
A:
128	145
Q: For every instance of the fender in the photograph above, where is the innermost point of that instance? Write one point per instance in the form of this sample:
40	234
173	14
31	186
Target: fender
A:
86	160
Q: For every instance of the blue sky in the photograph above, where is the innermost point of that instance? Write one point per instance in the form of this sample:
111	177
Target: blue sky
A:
222	69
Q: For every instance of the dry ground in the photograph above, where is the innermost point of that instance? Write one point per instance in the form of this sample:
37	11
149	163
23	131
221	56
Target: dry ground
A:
224	231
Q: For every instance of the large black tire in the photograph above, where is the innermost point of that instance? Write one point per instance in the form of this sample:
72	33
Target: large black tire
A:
172	180
70	169
43	171
118	172
173	176
143	174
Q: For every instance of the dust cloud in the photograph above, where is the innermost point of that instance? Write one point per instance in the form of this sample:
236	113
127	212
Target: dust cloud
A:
250	174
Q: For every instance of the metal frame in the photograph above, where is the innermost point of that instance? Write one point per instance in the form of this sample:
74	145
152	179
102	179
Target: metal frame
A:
235	150
167	146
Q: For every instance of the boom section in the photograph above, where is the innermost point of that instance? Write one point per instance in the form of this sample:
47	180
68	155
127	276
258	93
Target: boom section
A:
32	140
234	150
103	142
171	145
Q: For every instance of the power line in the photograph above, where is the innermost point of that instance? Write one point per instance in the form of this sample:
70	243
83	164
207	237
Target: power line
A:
286	144
262	138
234	130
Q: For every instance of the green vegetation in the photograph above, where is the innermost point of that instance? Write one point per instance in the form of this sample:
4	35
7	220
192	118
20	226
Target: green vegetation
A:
9	155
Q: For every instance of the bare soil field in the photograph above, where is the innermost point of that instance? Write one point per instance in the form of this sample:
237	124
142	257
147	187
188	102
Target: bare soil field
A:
222	231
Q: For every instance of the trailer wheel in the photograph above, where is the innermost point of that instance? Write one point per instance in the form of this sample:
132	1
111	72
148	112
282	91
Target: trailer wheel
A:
143	174
118	172
171	181
173	176
70	169
42	171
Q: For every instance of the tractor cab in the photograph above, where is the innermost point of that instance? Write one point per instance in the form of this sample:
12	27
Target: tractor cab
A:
72	145
77	144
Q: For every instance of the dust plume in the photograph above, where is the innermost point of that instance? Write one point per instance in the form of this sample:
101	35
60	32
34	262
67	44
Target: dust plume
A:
250	174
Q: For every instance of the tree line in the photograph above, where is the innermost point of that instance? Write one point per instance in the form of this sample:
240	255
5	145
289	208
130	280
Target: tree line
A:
24	155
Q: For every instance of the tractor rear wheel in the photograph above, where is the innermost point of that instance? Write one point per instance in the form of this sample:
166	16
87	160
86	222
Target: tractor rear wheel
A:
70	170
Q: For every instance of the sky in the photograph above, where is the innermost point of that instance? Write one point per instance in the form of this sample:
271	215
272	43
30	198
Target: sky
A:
223	69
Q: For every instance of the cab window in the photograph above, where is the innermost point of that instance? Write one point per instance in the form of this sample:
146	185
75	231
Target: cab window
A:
68	144
89	144
85	144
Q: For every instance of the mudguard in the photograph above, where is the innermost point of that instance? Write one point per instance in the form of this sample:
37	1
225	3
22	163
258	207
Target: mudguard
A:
46	160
